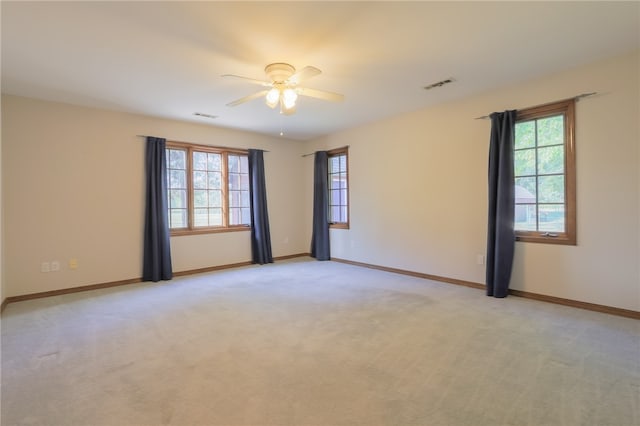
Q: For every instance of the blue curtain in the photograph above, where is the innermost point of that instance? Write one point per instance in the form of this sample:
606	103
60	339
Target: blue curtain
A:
260	235
500	231
320	235
157	249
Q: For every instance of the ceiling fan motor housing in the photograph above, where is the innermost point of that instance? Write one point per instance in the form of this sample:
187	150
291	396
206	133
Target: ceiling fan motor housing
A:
279	72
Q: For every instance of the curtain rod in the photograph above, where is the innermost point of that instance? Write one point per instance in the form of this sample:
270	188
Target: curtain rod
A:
311	153
219	147
578	97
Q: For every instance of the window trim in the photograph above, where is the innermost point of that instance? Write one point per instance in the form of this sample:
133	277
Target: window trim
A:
566	107
224	151
332	153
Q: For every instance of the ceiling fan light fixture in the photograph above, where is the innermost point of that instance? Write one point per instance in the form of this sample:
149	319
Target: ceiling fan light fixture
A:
289	97
272	98
284	110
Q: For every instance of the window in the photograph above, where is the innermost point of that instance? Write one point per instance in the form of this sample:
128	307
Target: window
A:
339	188
208	189
544	170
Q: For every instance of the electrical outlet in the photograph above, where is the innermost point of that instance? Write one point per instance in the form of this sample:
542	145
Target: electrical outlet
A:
45	267
73	263
480	259
55	266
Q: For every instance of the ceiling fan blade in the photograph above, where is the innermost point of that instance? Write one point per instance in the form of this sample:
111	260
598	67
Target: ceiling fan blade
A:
248	98
320	94
251	80
304	74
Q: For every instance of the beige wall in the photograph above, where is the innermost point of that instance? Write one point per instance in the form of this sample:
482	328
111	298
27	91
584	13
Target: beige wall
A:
3	293
419	185
74	189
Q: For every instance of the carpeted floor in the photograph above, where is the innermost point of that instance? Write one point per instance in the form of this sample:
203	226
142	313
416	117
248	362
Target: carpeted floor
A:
314	343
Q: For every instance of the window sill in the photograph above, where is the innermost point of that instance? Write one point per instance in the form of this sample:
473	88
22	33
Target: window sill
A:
181	232
339	225
560	239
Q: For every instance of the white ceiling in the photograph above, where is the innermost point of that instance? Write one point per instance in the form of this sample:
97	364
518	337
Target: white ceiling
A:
166	58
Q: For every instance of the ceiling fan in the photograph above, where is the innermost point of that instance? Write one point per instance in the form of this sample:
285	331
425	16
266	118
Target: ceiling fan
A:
283	89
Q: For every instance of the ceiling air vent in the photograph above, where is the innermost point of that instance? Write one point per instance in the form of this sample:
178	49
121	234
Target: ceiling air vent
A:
439	84
202	114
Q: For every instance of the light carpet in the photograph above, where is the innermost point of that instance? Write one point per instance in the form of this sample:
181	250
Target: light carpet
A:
302	342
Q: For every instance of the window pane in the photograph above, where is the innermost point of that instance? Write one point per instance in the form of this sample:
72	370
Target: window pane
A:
334	164
199	161
177	159
197	188
234	164
338	192
525	190
244	182
551	130
343	163
234	198
201	217
214	180
238	189
200	180
335	214
246	216
543	168
177	179
551	189
239	216
551	160
551	217
525	217
215	198
335	197
215	217
177	198
334	182
234	181
234	216
244	164
200	198
524	162
525	135
177	218
245	201
214	162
